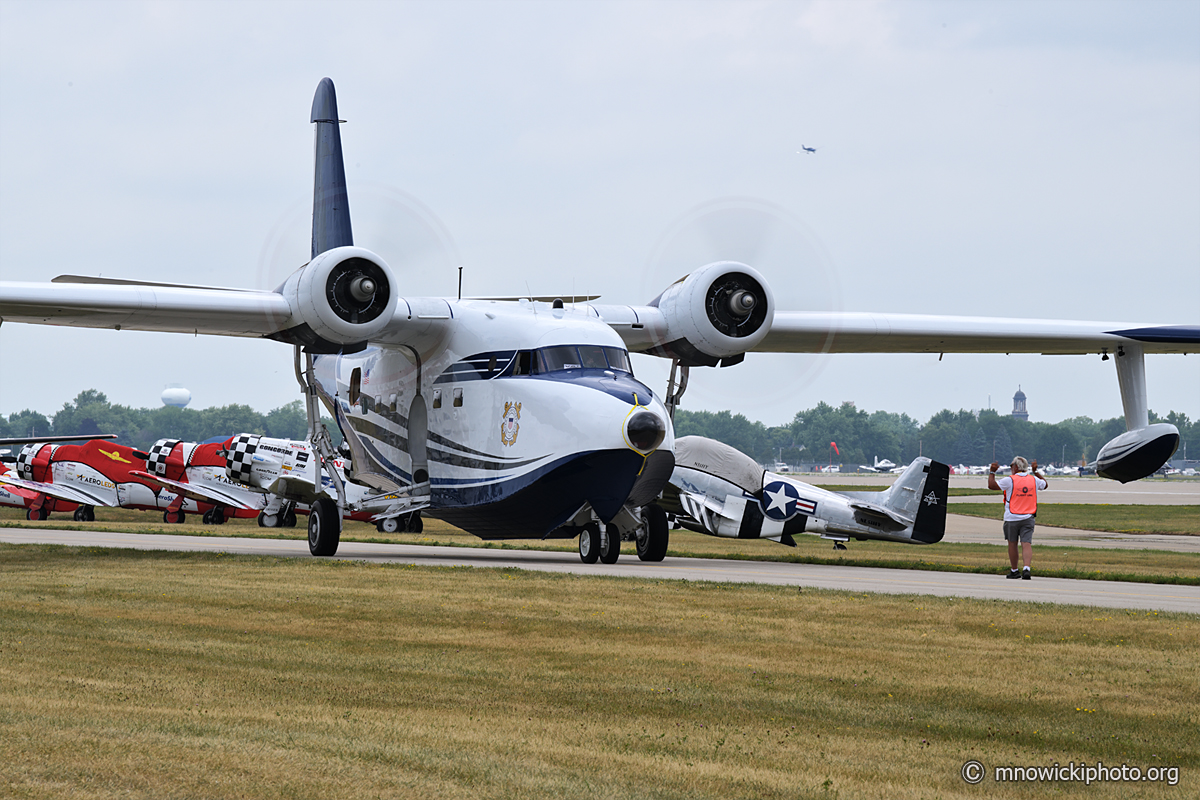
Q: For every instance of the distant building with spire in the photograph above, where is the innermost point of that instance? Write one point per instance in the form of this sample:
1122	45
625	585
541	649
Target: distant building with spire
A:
1019	411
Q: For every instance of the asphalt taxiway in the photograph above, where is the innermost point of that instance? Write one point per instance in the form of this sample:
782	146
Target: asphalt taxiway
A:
1110	594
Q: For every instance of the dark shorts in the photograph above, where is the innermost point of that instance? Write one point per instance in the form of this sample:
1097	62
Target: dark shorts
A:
1019	531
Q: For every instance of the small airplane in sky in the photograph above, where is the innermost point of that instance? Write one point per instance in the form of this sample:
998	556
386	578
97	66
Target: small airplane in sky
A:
519	418
806	149
718	490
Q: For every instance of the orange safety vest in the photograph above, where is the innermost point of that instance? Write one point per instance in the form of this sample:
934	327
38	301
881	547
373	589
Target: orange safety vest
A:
1023	499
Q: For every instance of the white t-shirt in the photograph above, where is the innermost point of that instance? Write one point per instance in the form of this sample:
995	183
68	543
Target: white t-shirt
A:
1006	484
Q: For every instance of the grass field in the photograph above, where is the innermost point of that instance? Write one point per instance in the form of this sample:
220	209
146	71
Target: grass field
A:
1101	517
159	675
1156	566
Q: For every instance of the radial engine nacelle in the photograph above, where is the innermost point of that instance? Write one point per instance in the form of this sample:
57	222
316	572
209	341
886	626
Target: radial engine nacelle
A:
715	314
342	298
1137	453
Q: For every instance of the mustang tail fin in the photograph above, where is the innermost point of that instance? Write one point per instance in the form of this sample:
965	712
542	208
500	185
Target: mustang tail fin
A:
331	203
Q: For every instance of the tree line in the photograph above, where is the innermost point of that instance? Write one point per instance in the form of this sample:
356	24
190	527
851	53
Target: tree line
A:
953	437
962	437
91	413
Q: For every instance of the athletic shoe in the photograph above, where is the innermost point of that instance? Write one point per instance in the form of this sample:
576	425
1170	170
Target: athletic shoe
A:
1013	574
1025	576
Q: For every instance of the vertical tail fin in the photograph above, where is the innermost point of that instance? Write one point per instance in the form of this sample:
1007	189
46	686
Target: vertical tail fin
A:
331	203
920	494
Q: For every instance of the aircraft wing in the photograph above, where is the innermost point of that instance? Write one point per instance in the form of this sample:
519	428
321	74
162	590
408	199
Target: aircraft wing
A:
146	307
799	332
195	491
71	494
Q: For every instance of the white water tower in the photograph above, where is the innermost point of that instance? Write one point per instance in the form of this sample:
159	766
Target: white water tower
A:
177	396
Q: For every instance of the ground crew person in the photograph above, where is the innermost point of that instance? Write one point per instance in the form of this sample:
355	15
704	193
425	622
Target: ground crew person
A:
1020	508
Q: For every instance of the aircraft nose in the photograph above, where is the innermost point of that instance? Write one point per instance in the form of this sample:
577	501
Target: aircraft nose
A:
644	430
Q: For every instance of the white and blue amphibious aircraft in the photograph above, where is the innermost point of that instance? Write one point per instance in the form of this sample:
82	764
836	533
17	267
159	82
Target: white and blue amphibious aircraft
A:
522	418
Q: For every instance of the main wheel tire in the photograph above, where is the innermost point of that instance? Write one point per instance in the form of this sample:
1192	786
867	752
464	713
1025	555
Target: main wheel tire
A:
414	523
289	518
207	519
174	517
653	547
37	515
324	528
390	525
218	516
78	515
589	544
262	515
610	545
89	513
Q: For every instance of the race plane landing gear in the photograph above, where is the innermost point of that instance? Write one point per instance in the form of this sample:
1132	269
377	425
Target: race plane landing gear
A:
409	523
84	514
839	546
214	516
174	517
37	514
281	518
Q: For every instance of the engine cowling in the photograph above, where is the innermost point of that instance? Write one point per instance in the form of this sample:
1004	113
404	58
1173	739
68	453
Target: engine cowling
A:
716	314
342	298
1137	453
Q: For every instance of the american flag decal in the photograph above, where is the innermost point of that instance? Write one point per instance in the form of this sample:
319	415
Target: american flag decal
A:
806	506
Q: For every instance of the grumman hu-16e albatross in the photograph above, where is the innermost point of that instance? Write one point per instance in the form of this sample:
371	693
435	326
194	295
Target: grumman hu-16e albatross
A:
522	418
718	490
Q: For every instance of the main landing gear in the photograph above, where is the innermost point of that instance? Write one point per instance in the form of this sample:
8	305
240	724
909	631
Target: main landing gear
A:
214	516
324	527
285	519
174	517
84	514
648	529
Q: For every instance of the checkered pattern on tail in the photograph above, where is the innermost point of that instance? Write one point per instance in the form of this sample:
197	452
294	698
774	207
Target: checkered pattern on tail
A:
157	462
239	456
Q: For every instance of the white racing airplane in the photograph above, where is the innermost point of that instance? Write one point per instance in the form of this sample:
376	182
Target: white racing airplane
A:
719	490
518	419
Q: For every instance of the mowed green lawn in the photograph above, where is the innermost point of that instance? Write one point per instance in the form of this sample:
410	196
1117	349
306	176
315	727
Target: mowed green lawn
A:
152	674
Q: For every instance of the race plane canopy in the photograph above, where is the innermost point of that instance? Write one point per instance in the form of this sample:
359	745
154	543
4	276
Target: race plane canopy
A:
718	458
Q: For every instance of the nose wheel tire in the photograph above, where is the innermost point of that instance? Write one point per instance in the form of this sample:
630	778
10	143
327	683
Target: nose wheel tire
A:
653	546
589	544
324	528
610	544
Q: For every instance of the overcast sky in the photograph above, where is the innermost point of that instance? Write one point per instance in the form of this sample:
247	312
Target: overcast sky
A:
1003	159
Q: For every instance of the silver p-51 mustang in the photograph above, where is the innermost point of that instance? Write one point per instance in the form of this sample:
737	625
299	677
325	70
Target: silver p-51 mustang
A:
522	418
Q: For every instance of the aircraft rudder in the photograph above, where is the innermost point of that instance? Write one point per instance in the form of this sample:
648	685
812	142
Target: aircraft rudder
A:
331	201
930	525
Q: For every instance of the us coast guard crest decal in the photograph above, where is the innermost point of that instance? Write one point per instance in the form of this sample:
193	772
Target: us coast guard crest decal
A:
510	425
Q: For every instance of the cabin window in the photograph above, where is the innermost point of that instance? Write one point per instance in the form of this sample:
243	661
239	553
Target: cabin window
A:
458	397
355	384
437	398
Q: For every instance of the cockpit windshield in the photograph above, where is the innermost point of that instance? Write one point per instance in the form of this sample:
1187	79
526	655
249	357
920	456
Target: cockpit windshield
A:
584	356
